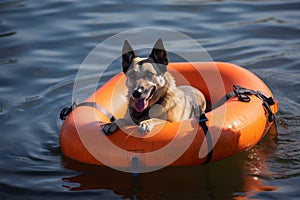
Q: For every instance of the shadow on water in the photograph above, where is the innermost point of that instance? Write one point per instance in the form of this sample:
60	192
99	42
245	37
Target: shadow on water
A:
236	177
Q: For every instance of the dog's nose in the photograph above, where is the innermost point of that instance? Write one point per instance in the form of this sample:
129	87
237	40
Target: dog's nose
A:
138	92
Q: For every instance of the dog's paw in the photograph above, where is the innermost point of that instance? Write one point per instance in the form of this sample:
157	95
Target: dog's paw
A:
144	127
109	128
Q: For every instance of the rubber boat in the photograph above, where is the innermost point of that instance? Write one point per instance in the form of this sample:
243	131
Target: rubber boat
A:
242	111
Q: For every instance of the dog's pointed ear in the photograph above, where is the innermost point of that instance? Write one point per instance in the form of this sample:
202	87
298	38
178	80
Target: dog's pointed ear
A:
159	54
128	55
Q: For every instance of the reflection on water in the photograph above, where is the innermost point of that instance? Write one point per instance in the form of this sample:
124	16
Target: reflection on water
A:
220	180
43	43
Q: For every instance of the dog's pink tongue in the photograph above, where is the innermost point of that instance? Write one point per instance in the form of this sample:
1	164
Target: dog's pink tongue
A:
140	104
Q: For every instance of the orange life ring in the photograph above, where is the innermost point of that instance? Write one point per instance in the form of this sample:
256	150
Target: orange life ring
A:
234	126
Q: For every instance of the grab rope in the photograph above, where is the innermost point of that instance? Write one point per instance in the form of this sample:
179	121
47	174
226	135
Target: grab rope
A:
67	110
243	95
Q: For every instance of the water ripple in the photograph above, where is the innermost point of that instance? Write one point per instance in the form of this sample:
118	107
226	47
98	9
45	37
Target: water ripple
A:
43	43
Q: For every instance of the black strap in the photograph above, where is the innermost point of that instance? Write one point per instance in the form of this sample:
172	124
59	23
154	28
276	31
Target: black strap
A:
67	110
223	99
243	95
202	122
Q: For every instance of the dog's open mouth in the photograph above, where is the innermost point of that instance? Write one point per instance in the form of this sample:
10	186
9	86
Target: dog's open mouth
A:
141	104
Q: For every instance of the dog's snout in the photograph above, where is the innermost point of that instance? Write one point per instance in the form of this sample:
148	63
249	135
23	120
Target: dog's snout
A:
138	92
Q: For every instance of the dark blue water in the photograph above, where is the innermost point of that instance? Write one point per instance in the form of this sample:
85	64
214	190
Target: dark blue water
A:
43	43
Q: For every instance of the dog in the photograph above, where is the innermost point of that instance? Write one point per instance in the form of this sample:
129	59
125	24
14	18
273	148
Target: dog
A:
153	95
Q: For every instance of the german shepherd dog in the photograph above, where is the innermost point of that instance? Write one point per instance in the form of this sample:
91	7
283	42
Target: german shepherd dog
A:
153	95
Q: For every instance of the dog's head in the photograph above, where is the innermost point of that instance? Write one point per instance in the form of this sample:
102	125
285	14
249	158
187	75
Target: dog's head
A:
145	76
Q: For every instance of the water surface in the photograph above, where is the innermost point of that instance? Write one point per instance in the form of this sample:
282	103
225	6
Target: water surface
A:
43	43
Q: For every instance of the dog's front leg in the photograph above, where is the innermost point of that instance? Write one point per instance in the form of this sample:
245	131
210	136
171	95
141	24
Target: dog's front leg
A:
110	128
147	125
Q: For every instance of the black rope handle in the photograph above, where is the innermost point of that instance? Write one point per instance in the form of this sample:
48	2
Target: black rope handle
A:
243	95
67	110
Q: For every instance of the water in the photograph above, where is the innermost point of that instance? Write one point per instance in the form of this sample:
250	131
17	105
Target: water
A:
43	43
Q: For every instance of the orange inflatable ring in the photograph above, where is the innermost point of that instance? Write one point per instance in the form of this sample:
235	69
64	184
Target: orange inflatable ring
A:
233	125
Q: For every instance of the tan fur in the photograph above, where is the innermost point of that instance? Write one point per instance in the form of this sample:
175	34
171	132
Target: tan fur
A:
167	103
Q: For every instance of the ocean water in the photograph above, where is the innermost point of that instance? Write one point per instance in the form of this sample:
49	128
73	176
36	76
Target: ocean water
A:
42	45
